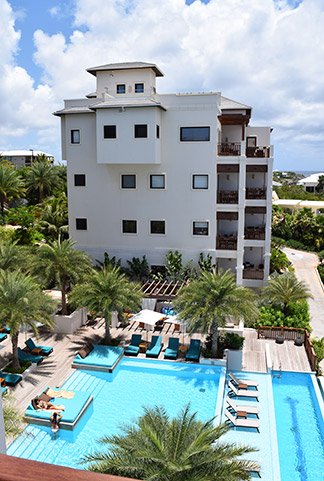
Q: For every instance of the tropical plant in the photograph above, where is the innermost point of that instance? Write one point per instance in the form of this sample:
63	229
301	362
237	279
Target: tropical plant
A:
207	301
22	303
157	447
284	289
173	265
26	220
139	269
206	263
279	262
54	217
109	261
41	178
318	345
11	185
59	263
273	316
106	291
226	340
13	418
12	256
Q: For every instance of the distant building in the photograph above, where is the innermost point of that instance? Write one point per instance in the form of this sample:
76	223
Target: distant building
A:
310	183
21	158
316	206
149	173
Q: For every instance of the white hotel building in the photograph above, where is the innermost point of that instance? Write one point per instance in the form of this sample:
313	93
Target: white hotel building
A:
149	173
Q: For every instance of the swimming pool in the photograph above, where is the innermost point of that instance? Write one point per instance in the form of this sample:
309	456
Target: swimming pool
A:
300	429
118	398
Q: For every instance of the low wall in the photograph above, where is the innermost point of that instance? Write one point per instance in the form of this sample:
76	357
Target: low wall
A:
69	324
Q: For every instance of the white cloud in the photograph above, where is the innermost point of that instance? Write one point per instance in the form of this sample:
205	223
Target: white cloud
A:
263	53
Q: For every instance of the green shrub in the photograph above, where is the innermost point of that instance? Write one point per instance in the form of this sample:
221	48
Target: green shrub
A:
23	366
318	345
320	269
226	340
273	316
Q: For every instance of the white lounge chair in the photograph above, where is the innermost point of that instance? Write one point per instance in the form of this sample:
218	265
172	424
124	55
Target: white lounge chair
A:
239	408
243	383
242	423
242	392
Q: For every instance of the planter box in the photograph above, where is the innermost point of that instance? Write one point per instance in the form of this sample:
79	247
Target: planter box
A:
69	324
234	359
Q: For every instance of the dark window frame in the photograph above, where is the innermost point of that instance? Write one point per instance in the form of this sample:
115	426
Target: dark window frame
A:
122	180
72	136
118	87
141	91
161	222
124	221
77	180
157	131
195	233
140	131
81	223
151	183
200	175
110	131
191	129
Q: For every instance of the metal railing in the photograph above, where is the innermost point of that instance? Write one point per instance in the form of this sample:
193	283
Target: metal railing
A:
229	148
255	193
227	197
254	233
258	152
253	273
226	242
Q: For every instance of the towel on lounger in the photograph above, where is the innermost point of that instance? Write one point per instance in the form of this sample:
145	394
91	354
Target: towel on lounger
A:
61	393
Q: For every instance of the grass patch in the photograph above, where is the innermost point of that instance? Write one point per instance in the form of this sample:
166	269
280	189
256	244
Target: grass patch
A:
23	367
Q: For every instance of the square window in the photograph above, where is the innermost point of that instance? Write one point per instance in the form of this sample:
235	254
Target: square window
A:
140	131
121	88
139	88
200	181
81	224
194	134
128	181
157	131
75	136
157	227
157	181
110	132
129	226
200	228
79	180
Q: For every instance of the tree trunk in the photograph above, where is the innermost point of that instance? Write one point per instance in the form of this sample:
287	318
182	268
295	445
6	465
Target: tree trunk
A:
63	300
286	310
214	337
107	316
15	358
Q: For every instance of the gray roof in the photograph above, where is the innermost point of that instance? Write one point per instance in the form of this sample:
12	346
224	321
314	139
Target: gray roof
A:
232	104
125	66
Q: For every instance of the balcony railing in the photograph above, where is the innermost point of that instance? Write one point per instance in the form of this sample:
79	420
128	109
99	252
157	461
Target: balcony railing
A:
255	233
255	193
253	273
226	242
227	197
229	148
258	152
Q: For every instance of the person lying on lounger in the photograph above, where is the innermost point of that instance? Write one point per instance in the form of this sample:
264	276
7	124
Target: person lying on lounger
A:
47	406
55	421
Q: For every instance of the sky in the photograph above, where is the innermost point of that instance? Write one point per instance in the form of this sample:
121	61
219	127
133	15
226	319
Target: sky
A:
265	53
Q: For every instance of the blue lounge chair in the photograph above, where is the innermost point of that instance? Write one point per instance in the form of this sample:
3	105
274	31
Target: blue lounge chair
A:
25	357
3	390
34	349
11	379
133	348
172	350
155	347
5	329
193	352
3	336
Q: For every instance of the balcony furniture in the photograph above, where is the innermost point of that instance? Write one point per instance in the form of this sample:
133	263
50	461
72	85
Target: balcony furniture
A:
254	233
257	152
229	148
226	242
255	193
227	197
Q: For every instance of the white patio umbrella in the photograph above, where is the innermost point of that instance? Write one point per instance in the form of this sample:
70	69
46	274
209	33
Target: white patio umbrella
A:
176	320
148	318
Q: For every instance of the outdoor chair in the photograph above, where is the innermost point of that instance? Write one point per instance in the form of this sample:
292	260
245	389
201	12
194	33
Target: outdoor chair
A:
10	379
34	349
133	348
242	383
240	409
155	347
172	350
28	357
233	391
3	336
242	423
193	352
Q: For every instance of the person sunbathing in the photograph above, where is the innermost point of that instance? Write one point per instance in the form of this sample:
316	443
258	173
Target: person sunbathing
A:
55	421
47	406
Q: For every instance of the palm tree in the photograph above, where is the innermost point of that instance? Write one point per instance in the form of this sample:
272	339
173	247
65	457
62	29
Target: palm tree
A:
60	263
54	216
12	256
284	289
159	448
106	291
11	185
22	303
206	302
13	419
42	178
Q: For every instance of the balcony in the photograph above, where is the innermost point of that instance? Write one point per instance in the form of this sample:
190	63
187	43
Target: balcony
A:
229	149
258	152
253	193
255	233
226	242
250	272
227	197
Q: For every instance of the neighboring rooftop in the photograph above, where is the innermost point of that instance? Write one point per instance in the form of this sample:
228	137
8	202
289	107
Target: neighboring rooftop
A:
232	104
24	153
125	66
311	179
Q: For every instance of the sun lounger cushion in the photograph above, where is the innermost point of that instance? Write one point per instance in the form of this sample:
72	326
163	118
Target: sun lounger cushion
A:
171	351
11	379
85	350
193	352
155	347
25	356
133	349
3	336
35	349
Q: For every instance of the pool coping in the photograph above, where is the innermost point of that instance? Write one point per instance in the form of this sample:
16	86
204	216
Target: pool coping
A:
318	395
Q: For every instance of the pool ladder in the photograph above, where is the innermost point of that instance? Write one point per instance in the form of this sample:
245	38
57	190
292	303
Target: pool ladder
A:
279	373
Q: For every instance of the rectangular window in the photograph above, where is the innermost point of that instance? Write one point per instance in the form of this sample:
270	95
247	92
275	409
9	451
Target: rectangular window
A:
110	132
139	88
140	131
157	181
200	228
157	227
129	226
194	134
121	88
200	181
79	180
81	224
128	181
75	136
157	131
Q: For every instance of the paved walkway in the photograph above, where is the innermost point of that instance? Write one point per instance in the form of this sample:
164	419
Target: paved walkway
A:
305	267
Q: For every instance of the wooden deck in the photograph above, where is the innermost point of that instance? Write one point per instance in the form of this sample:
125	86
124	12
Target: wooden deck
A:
285	357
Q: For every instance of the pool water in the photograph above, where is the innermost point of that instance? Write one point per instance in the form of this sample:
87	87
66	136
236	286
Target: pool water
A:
119	398
300	429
